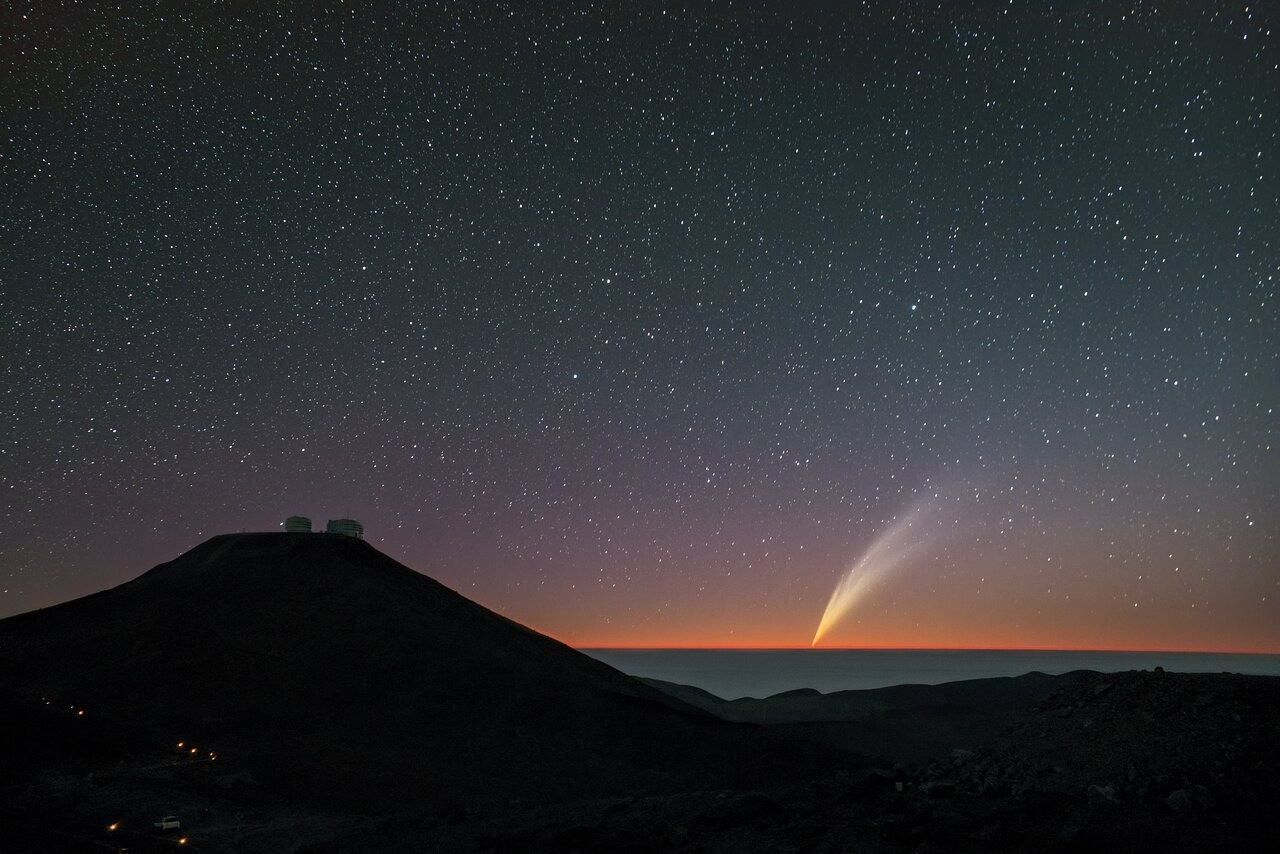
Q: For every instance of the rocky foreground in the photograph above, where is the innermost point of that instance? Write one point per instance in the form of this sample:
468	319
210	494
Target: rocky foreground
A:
1138	761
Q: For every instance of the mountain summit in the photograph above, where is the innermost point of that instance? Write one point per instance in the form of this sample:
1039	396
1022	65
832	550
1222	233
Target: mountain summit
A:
350	680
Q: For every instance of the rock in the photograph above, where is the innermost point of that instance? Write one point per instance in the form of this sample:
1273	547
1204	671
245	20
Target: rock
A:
938	788
1202	797
737	811
1101	795
991	785
1180	800
874	782
576	836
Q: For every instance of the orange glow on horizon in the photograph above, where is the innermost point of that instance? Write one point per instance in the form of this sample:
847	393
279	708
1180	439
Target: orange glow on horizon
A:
912	624
901	640
913	609
926	647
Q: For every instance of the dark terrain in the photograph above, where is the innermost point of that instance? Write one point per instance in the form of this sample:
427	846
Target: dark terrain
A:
328	698
902	722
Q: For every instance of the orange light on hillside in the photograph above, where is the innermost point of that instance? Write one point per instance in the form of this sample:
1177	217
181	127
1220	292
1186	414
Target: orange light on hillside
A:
115	825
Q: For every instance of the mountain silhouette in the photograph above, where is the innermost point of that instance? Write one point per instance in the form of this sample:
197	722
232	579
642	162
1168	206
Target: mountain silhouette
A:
341	678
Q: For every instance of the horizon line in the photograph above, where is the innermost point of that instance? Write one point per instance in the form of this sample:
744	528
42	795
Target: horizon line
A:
669	647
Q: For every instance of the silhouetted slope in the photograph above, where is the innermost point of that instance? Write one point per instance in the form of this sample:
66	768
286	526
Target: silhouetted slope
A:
341	676
1122	762
1003	692
900	722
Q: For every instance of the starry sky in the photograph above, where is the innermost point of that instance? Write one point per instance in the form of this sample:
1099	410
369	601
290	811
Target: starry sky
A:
642	323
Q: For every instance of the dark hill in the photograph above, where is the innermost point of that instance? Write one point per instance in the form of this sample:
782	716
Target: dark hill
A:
914	723
342	678
1123	762
805	704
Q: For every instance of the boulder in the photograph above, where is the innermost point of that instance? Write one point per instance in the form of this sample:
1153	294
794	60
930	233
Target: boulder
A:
1101	795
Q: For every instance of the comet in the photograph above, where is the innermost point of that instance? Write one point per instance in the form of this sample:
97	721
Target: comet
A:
904	539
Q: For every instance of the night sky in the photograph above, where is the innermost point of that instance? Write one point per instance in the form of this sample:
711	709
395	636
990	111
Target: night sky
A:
641	324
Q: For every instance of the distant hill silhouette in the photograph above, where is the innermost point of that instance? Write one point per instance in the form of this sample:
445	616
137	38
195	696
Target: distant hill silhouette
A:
342	678
900	722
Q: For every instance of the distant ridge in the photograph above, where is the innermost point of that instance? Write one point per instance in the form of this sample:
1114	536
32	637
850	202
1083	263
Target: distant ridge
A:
902	722
344	678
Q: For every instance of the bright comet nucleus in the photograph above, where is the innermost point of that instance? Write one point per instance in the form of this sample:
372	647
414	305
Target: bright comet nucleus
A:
905	538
